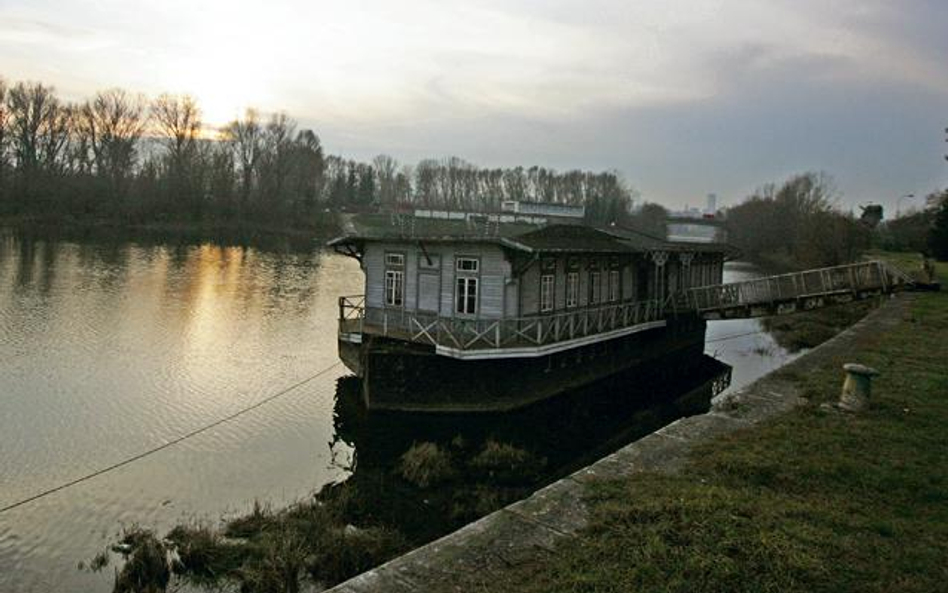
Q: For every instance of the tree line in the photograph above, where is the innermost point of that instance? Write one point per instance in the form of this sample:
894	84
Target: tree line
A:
923	230
118	155
797	225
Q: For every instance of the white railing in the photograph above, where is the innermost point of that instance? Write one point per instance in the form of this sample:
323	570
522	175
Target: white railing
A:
837	280
472	334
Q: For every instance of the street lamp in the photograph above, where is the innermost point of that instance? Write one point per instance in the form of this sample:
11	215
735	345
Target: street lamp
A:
898	205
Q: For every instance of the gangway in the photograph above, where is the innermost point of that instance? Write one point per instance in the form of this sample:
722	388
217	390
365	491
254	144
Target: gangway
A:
789	293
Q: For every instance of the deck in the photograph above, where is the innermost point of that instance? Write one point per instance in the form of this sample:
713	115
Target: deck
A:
539	335
475	339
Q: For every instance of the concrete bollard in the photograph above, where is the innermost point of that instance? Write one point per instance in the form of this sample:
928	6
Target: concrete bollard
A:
857	387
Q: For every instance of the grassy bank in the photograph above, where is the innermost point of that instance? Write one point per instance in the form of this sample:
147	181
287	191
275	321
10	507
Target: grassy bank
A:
341	531
811	501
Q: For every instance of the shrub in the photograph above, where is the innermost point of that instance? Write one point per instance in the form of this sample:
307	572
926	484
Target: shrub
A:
425	464
202	552
146	569
505	462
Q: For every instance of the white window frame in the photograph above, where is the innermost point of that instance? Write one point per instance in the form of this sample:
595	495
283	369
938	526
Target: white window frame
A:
463	304
595	287
572	289
395	288
615	285
547	292
468	265
394	279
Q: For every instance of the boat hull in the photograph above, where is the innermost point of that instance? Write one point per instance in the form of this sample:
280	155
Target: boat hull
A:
403	376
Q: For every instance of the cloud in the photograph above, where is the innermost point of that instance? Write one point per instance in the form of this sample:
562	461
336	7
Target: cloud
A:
50	35
683	96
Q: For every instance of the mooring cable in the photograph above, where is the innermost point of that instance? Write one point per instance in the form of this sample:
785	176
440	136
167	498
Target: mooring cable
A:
167	444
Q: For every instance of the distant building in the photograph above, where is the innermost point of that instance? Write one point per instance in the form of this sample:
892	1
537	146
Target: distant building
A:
543	209
694	225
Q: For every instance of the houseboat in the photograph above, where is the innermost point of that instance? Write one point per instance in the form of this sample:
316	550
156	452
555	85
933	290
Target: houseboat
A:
470	312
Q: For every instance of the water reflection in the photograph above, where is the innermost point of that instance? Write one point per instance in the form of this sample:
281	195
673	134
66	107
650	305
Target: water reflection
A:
559	436
108	348
743	343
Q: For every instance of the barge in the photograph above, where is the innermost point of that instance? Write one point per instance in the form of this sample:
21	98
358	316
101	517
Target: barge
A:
482	313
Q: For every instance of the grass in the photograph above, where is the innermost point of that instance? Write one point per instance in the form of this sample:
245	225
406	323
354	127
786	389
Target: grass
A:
260	552
344	530
426	464
811	501
809	329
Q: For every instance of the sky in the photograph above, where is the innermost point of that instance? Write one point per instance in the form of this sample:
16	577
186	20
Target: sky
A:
683	98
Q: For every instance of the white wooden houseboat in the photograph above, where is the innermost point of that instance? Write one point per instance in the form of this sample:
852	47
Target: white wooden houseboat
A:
483	315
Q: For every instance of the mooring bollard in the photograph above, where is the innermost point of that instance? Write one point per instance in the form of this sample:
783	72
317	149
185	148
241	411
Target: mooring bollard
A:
857	387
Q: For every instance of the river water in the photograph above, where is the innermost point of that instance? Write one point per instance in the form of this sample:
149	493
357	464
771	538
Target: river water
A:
108	349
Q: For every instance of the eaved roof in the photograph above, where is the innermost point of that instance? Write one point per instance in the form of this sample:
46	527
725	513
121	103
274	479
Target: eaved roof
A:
567	238
552	238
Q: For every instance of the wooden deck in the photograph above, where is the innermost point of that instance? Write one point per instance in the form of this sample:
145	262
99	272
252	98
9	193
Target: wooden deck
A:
499	338
540	335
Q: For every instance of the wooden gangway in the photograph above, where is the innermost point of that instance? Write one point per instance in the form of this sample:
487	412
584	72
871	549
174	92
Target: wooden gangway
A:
790	293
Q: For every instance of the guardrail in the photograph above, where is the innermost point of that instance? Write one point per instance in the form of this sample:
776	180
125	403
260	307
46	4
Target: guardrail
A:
854	279
473	334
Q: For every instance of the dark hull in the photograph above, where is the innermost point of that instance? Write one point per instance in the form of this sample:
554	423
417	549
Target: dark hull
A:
401	376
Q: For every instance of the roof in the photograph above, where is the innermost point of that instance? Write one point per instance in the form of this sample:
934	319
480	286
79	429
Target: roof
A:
552	238
561	238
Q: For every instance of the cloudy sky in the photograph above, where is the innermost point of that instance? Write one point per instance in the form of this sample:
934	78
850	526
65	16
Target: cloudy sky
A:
682	97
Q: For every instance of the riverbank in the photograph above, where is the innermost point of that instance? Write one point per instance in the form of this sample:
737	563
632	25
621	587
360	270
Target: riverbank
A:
266	235
751	497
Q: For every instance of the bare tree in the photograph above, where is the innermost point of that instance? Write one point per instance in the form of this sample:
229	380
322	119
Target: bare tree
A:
246	138
178	119
276	160
4	140
112	124
385	170
308	170
33	111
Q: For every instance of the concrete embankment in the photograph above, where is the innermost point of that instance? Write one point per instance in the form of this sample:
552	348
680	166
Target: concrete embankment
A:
534	526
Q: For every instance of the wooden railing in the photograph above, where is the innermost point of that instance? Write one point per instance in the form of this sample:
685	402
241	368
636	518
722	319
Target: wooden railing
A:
851	279
474	334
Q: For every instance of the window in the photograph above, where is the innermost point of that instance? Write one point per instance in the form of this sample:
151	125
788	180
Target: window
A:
394	287
394	279
466	295
468	264
595	287
572	289
546	292
614	285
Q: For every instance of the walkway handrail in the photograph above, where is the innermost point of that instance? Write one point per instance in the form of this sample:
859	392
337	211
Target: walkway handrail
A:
474	334
834	280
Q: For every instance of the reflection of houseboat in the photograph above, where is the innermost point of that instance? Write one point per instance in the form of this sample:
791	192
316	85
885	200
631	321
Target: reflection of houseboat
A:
480	313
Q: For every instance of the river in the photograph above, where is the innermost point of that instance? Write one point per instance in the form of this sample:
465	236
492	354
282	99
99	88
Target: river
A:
108	349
